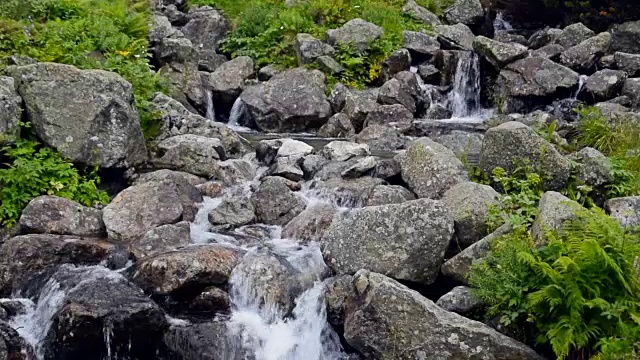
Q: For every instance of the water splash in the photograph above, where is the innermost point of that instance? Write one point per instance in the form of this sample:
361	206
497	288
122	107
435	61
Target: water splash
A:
582	80
464	98
211	111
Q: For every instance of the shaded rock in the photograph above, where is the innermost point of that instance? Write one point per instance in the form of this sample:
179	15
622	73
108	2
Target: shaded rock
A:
470	204
311	224
497	53
429	74
625	209
25	258
464	144
165	174
311	164
234	211
349	193
267	72
468	12
87	115
12	345
455	37
227	82
504	36
234	171
419	42
206	27
406	241
593	169
438	112
161	239
344	150
625	37
179	50
339	125
603	85
188	85
399	60
554	209
10	103
210	61
287	168
573	35
546	36
338	97
551	52
360	168
417	12
629	63
386	168
389	194
339	289
511	143
357	105
203	340
386	313
267	151
383	138
274	203
388	115
631	89
584	56
329	65
198	155
459	300
430	169
209	302
393	92
126	218
308	49
357	33
56	215
293	100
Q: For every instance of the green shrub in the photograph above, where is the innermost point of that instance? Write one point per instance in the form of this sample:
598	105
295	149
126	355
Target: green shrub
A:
580	294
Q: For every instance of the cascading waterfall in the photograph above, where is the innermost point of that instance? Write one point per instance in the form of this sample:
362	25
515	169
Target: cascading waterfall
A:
237	112
582	81
211	111
464	98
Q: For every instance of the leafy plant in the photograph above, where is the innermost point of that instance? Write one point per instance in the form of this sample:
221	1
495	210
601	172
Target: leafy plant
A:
521	191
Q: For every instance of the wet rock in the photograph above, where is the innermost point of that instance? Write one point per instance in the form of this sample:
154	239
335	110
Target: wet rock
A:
339	125
625	209
430	169
406	241
438	112
202	340
194	154
584	56
287	168
101	313
389	194
419	42
192	267
554	209
292	101
603	85
234	171
625	37
233	211
389	115
455	37
210	302
470	204
357	33
344	150
629	63
417	12
339	289
383	306
551	52
429	74
10	102
308	49
360	168
274	203
546	36
573	35
311	224
497	53
393	92
27	257
87	115
594	168
141	208
383	138
459	300
161	239
511	143
458	266
357	105
468	12
227	82
12	345
329	65
311	164
564	110
268	151
206	27
56	215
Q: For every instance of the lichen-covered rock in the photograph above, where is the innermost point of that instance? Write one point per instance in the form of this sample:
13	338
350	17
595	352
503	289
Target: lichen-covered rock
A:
603	85
394	92
594	168
357	33
339	289
311	224
233	211
389	194
12	345
198	155
417	12
430	169
358	104
206	27
287	168
584	56
10	103
631	90
455	37
629	63
351	193
497	53
308	49
546	36
551	52
166	174
384	138
339	125
554	209
468	12
625	209
89	116
512	143
405	241
56	215
385	314
329	65
419	42
626	37
573	35
161	239
344	150
227	82
360	168
274	203
459	300
267	151
390	115
470	202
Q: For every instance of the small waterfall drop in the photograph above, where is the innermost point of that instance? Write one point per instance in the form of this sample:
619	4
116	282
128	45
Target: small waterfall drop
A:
581	82
237	112
211	111
464	98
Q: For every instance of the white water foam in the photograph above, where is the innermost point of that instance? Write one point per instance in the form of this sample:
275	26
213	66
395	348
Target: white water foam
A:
211	111
238	112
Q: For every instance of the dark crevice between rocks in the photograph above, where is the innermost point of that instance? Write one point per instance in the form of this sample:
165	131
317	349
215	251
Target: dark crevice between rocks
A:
434	291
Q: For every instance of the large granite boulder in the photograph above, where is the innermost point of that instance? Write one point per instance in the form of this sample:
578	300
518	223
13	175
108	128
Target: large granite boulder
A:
206	27
339	125
89	116
227	82
311	224
161	239
194	154
275	203
498	53
56	215
11	104
572	35
357	33
419	42
554	210
626	37
468	12
293	100
405	241
626	210
584	56
459	300
455	37
629	63
308	49
603	85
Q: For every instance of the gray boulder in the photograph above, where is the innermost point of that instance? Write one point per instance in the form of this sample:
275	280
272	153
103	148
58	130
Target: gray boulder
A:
603	85
165	174
497	53
227	82
512	143
459	300
399	60
546	36
233	211
293	100
626	210
344	150
455	37
406	241
311	224
360	168
551	52
349	193
311	164
626	37
339	125
194	154
554	209
394	92
329	65
206	27
210	61
419	42
429	73
87	115
267	72
274	203
357	33
161	239
389	194
390	115
178	50
338	97
430	169
468	12
629	63
11	104
573	35
584	56
339	288
384	138
411	8
308	49
267	151
56	215
386	313
631	89
594	168
187	84
358	104
287	168
470	204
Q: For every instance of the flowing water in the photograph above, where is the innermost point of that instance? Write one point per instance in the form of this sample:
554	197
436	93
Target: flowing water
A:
211	111
499	23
